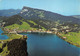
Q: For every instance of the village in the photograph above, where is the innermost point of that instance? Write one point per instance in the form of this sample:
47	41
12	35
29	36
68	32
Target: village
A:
39	31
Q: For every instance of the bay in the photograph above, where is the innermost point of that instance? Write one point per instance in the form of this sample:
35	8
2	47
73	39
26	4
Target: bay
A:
49	45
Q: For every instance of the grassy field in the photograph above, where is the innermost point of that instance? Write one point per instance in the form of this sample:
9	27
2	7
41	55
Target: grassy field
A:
23	26
32	22
72	37
14	36
4	52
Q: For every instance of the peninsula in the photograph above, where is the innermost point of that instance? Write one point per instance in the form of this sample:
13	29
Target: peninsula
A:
15	45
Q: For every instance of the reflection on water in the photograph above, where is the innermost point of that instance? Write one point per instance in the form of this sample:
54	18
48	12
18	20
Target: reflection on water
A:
50	45
2	37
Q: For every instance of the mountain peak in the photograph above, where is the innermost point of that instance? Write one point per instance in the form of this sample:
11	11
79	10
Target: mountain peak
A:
25	7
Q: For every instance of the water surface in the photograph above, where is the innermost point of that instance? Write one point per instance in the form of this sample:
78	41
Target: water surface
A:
50	45
3	37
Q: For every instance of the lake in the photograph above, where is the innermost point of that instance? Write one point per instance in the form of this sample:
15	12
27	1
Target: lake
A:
3	37
49	45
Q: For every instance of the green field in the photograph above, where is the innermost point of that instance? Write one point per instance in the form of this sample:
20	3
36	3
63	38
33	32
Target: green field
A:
23	26
32	22
4	52
72	37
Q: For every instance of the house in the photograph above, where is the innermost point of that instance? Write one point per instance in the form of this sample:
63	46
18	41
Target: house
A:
15	32
64	37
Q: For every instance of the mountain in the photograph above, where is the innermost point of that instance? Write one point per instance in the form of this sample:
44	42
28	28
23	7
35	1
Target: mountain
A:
76	16
17	21
32	13
2	17
30	18
9	12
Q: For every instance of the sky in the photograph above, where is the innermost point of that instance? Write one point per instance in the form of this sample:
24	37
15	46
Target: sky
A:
64	7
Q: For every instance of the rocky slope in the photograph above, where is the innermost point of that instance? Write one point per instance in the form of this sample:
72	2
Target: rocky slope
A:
32	13
76	16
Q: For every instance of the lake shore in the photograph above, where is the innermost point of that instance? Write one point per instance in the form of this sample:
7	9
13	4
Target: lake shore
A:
57	33
36	31
50	32
45	32
68	41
